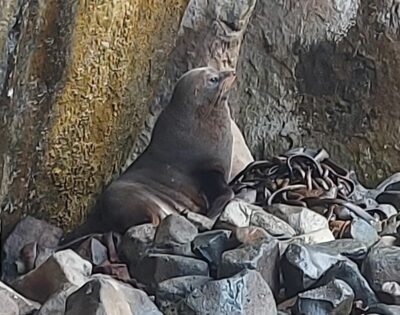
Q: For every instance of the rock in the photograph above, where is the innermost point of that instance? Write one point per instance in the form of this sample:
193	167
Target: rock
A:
353	249
55	304
261	255
311	226
389	197
94	251
201	222
382	266
174	234
103	295
383	309
61	269
24	305
136	241
8	306
270	223
171	291
210	245
335	298
156	268
390	293
28	230
306	266
237	213
364	232
243	294
250	233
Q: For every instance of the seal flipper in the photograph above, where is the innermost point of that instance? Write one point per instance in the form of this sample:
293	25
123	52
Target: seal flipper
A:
216	190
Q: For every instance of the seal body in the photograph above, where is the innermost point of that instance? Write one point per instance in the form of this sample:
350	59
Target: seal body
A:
186	165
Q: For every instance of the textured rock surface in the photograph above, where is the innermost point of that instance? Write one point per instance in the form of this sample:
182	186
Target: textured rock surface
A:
243	294
103	295
55	304
62	269
23	305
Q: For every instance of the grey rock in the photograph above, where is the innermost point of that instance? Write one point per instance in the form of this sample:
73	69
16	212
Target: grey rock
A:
364	232
28	230
382	266
171	291
383	309
243	294
237	213
270	223
175	229
156	268
136	241
106	296
61	269
210	245
307	266
55	304
94	251
250	233
7	305
353	249
24	305
261	255
390	292
335	298
201	222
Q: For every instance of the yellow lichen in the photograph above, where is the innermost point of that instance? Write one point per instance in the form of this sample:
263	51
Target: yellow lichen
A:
105	98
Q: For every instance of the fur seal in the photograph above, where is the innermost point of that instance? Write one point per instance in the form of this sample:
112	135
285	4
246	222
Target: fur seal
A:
186	165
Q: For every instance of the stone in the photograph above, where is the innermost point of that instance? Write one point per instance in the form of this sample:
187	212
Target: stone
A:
246	293
335	298
175	229
353	249
381	266
364	232
7	305
171	291
201	222
104	295
237	213
383	309
61	269
250	233
270	223
24	305
28	230
136	242
55	304
311	226
390	293
94	251
261	255
156	268
210	245
306	266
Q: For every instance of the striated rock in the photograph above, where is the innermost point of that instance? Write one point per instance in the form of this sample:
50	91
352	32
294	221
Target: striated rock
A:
55	304
353	249
28	231
155	268
261	255
210	245
61	269
171	291
306	266
24	306
335	298
243	294
136	241
382	267
103	295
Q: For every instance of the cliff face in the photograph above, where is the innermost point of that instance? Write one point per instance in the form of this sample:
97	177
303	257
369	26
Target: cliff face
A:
82	83
76	77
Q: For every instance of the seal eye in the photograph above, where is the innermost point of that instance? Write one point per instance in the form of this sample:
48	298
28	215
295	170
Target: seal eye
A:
214	80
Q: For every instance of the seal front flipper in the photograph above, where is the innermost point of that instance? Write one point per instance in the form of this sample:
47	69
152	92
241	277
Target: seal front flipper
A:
216	190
